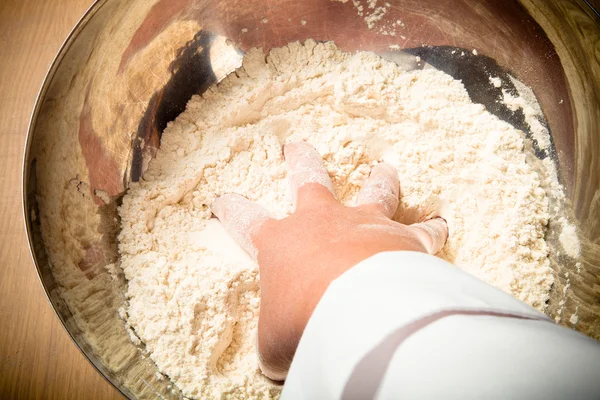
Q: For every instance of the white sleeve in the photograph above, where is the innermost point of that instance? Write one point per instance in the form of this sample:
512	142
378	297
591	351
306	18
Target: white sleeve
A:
411	326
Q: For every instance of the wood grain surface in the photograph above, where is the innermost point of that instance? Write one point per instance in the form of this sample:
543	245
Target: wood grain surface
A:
37	358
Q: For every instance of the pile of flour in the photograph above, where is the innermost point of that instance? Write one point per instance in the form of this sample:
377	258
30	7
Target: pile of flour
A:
193	295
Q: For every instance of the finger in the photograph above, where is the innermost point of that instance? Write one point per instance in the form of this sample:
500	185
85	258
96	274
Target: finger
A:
433	234
305	166
276	373
241	218
381	190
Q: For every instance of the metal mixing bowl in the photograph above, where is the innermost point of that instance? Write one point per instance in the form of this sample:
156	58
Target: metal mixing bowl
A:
130	66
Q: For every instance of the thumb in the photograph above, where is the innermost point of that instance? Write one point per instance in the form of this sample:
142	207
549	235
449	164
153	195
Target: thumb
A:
241	218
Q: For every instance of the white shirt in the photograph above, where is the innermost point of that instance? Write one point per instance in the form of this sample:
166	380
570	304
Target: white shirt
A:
406	325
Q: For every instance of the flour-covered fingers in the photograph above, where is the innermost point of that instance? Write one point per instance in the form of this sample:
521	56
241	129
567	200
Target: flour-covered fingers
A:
432	233
381	190
241	218
305	166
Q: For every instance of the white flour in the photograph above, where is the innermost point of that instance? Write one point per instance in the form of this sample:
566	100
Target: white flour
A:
527	102
193	294
373	12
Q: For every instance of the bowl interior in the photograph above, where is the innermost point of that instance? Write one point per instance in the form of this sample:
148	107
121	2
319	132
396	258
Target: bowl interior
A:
130	67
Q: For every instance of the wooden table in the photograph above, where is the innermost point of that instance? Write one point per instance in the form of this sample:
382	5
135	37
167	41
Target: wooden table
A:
37	358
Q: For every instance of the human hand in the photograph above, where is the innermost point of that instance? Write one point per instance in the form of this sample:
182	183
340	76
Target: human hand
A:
300	255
